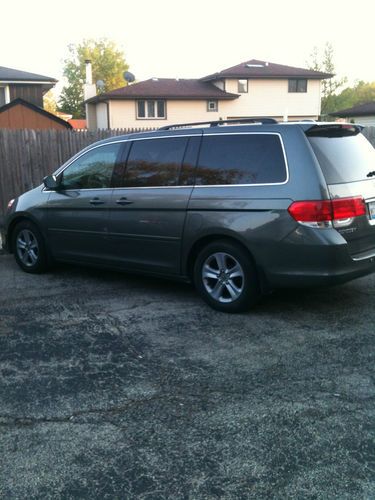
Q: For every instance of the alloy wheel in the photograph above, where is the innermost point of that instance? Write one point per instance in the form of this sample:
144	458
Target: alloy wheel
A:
223	277
27	248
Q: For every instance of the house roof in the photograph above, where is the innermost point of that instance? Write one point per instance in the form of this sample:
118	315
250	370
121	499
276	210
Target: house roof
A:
366	109
15	75
77	123
31	106
166	88
263	69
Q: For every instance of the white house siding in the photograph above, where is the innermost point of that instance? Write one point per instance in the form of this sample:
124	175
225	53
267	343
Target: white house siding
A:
91	116
271	98
5	93
123	114
102	115
264	98
367	121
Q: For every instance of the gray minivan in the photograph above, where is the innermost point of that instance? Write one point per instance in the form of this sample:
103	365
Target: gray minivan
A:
237	209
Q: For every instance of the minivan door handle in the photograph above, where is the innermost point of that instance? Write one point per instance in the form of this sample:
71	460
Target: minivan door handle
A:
96	201
123	201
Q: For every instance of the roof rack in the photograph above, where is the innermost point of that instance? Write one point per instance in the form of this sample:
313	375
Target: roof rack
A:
262	120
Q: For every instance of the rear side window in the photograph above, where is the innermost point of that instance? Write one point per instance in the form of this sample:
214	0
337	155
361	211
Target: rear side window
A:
155	162
241	159
344	159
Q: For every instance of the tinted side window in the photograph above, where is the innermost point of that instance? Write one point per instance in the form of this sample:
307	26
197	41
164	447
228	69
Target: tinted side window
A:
92	170
241	159
155	162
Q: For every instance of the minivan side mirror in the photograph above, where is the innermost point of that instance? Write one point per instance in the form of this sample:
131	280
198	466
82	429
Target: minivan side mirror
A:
51	182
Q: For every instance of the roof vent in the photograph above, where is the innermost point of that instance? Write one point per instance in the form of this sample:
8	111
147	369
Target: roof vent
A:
256	65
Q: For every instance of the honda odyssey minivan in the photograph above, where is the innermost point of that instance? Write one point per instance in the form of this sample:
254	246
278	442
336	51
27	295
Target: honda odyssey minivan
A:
235	208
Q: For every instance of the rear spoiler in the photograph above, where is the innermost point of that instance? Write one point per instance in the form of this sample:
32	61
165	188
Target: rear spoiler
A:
333	130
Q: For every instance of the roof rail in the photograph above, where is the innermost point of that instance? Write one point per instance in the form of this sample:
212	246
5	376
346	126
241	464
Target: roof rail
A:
262	120
304	120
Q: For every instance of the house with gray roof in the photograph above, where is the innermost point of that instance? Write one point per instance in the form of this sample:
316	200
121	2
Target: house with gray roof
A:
253	88
363	114
16	84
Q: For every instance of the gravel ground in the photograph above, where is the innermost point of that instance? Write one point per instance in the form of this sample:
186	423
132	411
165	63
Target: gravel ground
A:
115	386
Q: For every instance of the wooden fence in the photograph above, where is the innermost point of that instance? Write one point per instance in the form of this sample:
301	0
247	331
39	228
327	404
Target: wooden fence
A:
26	156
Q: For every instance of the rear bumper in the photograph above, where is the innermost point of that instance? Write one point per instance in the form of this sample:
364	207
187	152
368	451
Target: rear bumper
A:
323	278
327	262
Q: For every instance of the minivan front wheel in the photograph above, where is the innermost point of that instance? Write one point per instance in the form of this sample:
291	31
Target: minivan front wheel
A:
28	247
226	278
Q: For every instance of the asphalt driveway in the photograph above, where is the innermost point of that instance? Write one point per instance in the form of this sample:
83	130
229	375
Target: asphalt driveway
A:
113	386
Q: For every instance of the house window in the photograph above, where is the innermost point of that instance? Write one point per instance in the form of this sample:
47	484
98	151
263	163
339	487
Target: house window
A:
151	109
212	105
242	86
297	85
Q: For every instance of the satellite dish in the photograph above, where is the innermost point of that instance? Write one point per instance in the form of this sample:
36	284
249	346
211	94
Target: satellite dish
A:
100	84
128	77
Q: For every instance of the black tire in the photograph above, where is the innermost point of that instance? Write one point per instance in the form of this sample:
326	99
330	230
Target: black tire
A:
226	278
29	248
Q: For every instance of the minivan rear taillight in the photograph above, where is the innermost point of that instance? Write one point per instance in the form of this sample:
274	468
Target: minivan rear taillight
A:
322	213
346	208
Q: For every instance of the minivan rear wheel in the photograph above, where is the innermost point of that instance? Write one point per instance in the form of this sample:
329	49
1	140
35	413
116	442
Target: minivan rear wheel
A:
29	248
226	278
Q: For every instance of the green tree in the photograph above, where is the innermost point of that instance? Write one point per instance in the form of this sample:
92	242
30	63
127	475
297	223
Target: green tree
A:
49	102
360	93
108	65
330	86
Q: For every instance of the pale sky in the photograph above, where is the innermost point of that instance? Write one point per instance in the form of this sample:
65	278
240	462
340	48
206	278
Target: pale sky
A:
190	39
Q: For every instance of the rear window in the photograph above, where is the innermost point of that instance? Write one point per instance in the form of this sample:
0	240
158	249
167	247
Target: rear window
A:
344	159
241	159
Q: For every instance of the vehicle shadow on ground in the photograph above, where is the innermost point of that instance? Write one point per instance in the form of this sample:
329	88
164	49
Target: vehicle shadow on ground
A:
348	296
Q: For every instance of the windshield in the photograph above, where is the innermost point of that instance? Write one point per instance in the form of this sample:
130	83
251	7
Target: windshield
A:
344	159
